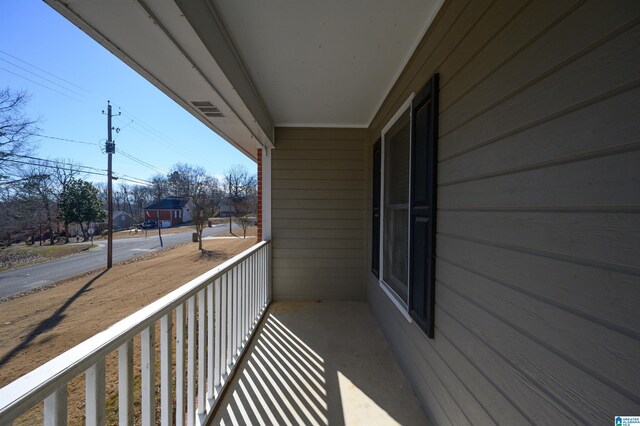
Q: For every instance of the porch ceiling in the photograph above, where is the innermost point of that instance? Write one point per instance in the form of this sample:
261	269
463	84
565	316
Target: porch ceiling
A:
262	64
325	63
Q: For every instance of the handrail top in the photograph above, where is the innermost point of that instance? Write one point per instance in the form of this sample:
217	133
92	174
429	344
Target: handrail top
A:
42	381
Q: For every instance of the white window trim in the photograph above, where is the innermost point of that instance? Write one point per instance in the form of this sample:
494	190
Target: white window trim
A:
395	299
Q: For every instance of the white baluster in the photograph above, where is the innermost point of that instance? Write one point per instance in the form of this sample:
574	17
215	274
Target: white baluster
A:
125	383
148	377
224	312
242	301
180	332
55	408
229	358
191	360
210	342
166	381
202	346
219	342
236	318
94	385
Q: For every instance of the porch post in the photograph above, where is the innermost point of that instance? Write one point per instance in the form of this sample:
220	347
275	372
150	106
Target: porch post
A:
259	206
264	175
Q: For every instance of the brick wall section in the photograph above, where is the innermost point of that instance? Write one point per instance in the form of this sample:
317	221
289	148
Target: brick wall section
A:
259	194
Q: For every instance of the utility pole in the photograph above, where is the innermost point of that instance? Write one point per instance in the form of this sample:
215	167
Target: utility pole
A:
160	227
110	149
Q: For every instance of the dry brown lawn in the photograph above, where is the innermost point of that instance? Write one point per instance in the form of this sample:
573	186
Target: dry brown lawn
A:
147	233
39	326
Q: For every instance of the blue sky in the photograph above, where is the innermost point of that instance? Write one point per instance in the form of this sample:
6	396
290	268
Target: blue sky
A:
68	93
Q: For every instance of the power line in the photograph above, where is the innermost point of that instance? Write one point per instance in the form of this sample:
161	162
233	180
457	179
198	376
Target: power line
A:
137	121
148	130
142	162
132	179
120	129
55	162
63	139
9	182
144	128
44	78
84	96
44	71
127	178
124	153
49	166
43	85
90	171
146	133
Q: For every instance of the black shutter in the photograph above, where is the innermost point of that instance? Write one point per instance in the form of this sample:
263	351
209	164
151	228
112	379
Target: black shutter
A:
375	220
422	205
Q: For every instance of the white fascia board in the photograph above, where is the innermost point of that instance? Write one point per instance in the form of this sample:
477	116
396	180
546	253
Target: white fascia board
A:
206	23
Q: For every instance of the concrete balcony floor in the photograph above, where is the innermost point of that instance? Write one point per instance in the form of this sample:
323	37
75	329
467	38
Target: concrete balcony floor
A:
319	363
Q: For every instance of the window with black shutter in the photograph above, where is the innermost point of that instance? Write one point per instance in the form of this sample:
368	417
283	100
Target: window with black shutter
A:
422	206
404	185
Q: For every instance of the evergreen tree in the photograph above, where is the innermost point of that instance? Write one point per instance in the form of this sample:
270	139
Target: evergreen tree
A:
79	203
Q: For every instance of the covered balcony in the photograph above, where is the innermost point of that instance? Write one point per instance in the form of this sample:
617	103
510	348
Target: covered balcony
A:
216	351
463	172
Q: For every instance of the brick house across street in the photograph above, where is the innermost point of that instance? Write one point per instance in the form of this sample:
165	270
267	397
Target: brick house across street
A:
169	212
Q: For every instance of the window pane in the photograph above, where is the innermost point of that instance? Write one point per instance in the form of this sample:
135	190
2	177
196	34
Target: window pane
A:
396	205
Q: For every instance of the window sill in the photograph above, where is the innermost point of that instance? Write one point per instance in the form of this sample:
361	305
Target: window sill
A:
397	302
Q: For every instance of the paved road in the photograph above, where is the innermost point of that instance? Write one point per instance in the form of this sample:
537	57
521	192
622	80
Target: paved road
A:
34	276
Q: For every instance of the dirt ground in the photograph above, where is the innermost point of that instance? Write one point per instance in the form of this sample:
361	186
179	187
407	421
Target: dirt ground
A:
41	325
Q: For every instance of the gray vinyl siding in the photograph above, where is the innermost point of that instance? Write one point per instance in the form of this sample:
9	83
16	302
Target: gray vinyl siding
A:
538	244
318	204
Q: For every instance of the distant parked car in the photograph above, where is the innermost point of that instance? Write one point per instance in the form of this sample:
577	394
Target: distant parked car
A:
148	224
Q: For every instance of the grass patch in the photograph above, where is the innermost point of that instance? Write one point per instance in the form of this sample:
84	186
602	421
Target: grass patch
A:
16	256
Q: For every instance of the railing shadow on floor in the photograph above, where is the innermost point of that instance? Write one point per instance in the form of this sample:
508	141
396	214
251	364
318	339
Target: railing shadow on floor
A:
320	364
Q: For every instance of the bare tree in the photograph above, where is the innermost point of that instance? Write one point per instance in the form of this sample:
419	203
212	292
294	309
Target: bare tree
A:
194	184
15	130
17	213
238	183
244	214
126	192
241	189
38	183
142	196
102	191
182	179
160	187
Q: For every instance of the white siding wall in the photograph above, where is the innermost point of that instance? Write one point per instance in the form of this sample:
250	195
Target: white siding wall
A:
318	204
538	244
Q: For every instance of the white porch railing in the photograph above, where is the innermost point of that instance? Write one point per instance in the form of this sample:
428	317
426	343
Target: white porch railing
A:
222	307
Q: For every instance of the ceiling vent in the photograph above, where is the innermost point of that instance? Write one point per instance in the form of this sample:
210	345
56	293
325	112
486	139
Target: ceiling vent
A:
207	108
